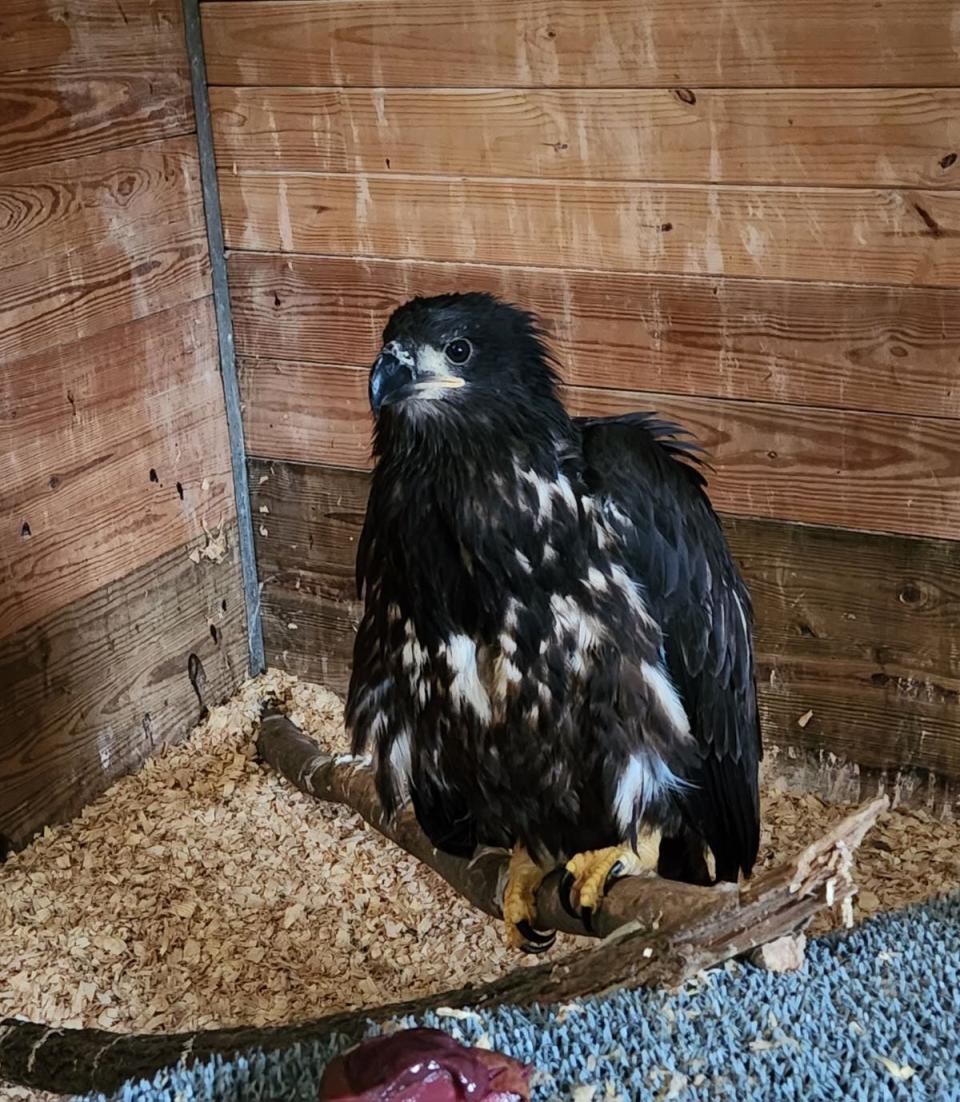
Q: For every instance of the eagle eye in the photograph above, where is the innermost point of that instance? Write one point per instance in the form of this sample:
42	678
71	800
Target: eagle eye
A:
458	351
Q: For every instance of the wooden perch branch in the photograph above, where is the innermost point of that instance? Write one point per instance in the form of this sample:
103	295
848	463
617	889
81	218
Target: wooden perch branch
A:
652	932
681	912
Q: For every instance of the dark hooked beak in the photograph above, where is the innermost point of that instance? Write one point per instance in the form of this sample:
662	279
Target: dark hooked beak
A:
389	380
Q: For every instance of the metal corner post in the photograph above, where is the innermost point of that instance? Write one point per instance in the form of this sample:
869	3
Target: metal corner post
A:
228	362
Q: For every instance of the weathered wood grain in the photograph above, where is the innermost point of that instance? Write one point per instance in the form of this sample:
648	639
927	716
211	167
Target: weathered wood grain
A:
118	453
877	348
843	235
70	405
97	241
50	118
92	690
818	466
855	628
858	625
65	39
883	473
49	303
306	412
874	136
606	43
306	551
61	209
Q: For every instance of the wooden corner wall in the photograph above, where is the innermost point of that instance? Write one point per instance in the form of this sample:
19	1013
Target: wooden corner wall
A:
114	464
742	215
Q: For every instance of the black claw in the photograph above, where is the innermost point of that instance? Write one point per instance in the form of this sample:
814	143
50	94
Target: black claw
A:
563	891
536	937
586	913
533	950
612	876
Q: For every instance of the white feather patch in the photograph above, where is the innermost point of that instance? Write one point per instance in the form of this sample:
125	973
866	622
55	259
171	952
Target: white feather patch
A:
396	349
510	618
400	762
630	590
544	491
569	618
431	361
643	781
466	688
505	674
565	490
597	581
379	726
616	513
371	699
662	688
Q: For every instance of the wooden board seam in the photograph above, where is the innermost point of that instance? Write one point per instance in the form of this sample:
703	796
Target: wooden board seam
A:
675	85
174	309
590	182
667	136
666	395
950	544
374	258
133	144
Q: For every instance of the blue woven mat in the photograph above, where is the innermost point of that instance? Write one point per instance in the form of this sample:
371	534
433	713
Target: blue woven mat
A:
873	1015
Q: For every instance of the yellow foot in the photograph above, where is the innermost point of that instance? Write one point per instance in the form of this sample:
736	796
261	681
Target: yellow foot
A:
520	904
590	874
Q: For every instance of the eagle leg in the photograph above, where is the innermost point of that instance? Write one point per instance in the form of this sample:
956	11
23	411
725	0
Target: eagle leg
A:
588	876
524	877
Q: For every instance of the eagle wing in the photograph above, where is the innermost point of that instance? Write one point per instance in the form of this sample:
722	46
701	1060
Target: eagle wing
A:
646	476
380	718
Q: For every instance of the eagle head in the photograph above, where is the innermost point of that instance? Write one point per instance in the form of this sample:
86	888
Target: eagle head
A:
461	359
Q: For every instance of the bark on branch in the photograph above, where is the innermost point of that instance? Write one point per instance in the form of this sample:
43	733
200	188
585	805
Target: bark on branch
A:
651	932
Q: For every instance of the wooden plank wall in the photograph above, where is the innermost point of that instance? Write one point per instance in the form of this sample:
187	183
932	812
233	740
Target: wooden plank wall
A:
115	463
744	215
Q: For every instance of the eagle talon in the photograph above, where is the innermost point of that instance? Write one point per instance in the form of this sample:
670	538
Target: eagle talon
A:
586	913
534	941
563	891
615	874
588	876
524	877
538	937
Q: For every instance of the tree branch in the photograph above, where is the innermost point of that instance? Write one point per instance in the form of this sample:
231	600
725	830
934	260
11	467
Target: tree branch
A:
665	906
652	932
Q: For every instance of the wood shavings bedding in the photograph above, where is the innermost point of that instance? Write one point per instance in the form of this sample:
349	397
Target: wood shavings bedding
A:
206	891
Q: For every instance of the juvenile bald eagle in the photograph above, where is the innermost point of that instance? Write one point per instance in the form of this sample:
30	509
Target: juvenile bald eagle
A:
555	651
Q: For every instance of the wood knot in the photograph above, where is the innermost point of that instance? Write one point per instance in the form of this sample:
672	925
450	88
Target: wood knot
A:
911	594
